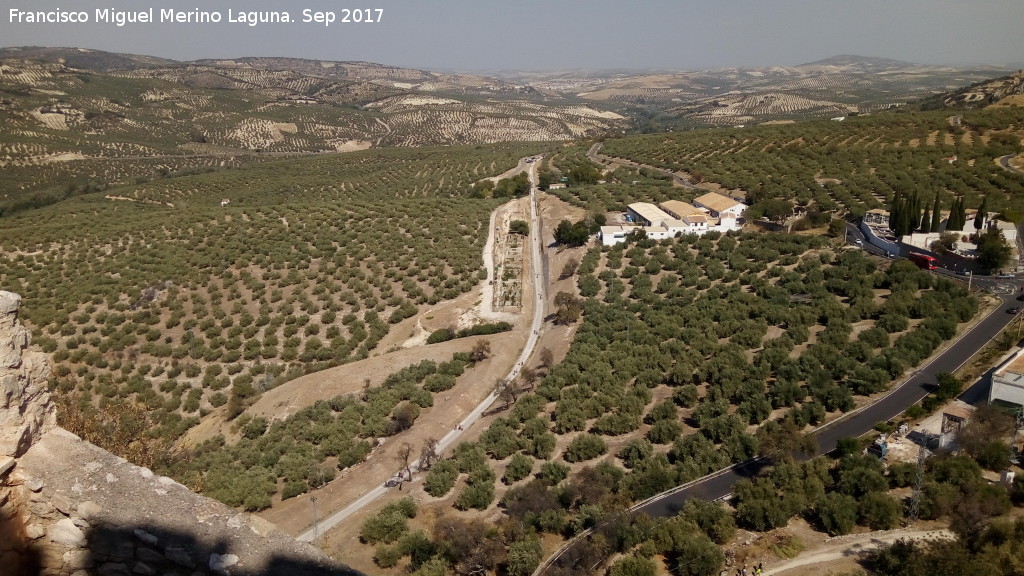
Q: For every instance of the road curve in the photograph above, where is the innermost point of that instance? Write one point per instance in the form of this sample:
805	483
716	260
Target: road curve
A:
1004	161
718	485
453	435
853	424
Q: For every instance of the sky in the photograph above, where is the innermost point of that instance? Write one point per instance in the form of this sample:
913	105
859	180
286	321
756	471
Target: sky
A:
478	35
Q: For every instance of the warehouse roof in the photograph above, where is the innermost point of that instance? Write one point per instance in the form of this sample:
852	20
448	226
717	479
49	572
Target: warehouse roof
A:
716	202
679	209
649	212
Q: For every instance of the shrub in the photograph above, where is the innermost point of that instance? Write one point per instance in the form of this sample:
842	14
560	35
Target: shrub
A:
441	478
385	526
633	566
477	494
293	489
518	468
386	556
585	447
553	472
837	513
880	511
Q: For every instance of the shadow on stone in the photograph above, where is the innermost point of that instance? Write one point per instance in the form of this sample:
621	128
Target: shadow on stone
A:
151	549
17	556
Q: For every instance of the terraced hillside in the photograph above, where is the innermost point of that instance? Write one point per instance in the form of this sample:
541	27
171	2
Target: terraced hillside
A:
169	299
850	166
836	86
77	120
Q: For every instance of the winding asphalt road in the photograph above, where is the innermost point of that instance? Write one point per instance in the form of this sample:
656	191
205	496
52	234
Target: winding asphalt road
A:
1004	161
856	423
719	485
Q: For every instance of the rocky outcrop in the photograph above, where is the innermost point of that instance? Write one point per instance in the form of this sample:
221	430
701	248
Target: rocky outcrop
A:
25	408
69	508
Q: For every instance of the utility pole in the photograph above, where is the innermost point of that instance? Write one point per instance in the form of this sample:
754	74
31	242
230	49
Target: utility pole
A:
915	500
315	530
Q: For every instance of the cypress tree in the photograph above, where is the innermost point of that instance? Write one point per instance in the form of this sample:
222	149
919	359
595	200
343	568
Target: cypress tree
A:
915	215
926	220
955	222
979	219
911	216
894	207
936	213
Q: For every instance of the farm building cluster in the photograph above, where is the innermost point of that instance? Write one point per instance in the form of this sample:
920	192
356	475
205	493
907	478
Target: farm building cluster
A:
674	217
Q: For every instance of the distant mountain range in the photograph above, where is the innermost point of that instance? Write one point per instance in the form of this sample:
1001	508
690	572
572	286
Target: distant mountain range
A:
153	105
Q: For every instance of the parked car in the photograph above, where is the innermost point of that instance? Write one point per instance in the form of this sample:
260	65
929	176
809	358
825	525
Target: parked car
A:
1014	310
1005	275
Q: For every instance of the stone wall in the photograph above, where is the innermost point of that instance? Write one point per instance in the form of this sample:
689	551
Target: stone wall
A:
69	508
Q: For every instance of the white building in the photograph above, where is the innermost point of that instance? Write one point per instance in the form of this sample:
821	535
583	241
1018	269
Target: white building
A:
679	209
717	205
1008	381
646	214
612	235
670	219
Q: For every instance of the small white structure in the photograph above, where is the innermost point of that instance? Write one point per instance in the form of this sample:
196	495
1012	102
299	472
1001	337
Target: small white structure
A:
556	186
1008	380
612	235
225	201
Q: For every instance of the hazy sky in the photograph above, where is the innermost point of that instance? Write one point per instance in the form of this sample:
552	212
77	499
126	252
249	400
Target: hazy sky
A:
557	34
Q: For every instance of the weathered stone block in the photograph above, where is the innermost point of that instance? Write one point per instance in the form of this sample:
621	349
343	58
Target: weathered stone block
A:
65	532
180	556
143	568
43	510
219	563
145	537
78	559
34	531
6	465
34	484
89	510
62	504
81	522
51	556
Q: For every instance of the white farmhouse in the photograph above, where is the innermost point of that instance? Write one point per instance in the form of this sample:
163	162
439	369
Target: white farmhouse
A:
718	205
673	218
1008	381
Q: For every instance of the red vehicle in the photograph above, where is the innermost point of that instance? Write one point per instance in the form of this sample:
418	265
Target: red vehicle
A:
923	261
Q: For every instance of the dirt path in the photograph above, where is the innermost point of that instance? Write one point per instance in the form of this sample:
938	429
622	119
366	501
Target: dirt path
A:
522	165
849	549
537	288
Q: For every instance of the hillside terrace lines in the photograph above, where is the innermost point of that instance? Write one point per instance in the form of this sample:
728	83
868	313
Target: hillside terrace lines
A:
184	244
